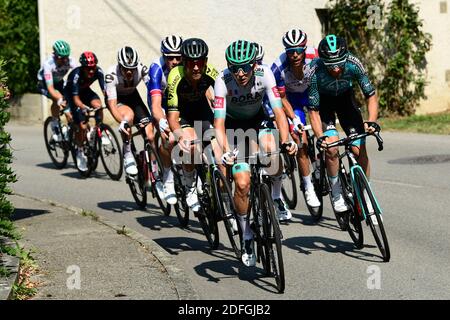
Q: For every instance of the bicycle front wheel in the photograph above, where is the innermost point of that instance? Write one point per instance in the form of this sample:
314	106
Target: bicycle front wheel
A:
157	170
271	235
57	150
137	184
110	152
289	185
372	212
181	207
227	210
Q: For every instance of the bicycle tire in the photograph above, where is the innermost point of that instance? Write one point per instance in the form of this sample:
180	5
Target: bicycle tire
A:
272	236
289	166
165	207
54	146
181	207
137	183
234	237
378	231
113	149
320	184
354	227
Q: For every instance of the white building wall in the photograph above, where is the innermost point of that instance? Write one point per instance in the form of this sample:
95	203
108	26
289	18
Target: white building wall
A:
103	26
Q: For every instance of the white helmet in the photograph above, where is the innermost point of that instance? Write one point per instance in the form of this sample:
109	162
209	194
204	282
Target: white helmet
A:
128	58
171	45
259	51
294	38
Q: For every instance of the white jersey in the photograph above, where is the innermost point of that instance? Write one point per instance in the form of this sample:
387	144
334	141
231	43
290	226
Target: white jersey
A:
116	85
52	73
244	103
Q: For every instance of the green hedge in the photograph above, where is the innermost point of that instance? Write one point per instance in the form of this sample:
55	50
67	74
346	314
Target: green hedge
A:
391	43
19	43
6	174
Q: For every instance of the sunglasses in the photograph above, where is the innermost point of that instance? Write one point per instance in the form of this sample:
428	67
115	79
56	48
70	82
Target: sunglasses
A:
331	67
244	67
189	63
298	50
170	58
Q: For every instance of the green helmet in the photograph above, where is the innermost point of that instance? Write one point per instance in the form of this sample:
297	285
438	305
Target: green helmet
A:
61	48
240	52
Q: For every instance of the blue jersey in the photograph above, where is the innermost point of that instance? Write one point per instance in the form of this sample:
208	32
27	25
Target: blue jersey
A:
77	83
157	84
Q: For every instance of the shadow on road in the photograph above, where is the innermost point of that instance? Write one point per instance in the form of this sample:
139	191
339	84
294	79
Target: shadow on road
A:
174	245
307	245
20	213
308	220
124	206
50	165
229	267
95	175
157	221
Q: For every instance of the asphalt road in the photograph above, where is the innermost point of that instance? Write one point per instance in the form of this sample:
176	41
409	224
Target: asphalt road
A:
411	179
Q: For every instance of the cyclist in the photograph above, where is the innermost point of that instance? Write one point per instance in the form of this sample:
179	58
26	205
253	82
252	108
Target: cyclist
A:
331	93
157	101
289	70
239	92
81	98
51	82
188	103
124	101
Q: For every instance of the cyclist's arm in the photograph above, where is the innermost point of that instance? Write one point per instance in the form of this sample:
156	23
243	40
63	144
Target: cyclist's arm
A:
173	113
372	106
287	107
313	107
220	112
48	76
154	92
101	80
78	103
276	105
111	94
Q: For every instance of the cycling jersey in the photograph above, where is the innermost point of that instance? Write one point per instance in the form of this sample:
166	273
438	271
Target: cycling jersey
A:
241	103
322	83
51	73
295	89
77	83
117	85
191	102
157	83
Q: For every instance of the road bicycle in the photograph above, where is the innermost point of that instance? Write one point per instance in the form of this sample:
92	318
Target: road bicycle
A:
263	220
101	142
359	195
150	170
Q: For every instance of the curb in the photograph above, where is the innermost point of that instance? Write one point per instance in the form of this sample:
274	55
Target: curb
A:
12	264
180	280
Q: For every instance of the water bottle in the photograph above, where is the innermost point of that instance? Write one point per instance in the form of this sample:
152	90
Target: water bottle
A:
316	166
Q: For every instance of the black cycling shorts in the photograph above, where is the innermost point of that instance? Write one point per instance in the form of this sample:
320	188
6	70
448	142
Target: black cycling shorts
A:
134	101
346	109
86	96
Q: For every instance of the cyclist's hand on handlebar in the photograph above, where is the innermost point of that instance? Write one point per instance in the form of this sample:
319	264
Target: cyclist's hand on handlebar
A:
123	127
164	127
228	158
321	142
298	125
291	147
371	127
185	145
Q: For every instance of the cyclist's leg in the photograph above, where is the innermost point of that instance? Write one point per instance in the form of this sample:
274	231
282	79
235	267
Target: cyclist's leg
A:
350	117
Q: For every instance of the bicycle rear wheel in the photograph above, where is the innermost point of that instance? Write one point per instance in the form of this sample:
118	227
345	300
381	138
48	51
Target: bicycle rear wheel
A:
320	183
110	152
58	151
181	207
272	237
290	191
367	200
222	189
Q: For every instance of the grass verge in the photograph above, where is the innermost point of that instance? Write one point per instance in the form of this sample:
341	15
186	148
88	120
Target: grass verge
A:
436	123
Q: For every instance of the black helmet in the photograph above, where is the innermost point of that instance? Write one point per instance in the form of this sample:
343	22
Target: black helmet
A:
194	48
333	50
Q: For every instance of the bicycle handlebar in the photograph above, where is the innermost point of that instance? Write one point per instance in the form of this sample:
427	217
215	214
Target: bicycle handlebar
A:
352	137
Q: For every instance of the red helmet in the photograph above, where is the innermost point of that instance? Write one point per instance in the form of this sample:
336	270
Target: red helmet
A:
88	59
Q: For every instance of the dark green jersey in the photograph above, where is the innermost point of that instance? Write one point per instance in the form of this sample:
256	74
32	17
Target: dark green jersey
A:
322	83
